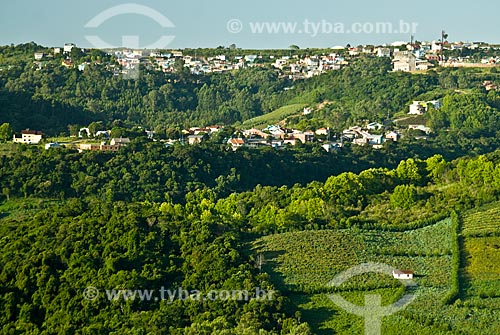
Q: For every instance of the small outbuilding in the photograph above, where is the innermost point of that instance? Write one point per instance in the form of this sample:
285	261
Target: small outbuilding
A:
402	274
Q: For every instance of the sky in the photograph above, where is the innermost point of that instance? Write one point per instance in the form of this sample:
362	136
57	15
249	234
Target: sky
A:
255	24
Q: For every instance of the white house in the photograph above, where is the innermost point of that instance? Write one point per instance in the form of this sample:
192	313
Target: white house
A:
120	141
86	130
39	55
375	139
331	147
195	139
104	133
307	111
28	137
404	61
383	52
236	143
322	131
392	135
417	108
68	47
402	274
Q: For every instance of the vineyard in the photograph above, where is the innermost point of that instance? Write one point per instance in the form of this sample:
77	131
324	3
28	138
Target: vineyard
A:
275	116
481	229
309	260
303	263
483	222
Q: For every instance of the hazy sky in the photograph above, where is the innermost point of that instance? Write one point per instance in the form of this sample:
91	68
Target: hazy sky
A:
200	23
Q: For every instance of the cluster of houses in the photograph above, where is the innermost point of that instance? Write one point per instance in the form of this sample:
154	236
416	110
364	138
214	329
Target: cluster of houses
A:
294	66
114	145
418	57
299	68
275	136
407	57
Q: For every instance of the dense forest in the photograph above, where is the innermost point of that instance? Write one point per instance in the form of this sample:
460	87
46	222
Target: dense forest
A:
73	224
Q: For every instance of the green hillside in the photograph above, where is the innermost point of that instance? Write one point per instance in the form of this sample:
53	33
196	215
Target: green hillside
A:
275	116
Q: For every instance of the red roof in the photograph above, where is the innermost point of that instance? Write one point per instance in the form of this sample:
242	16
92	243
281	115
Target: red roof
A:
31	132
237	141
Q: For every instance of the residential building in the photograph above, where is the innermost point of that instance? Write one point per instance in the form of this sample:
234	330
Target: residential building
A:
307	136
307	111
331	147
383	52
420	127
255	132
236	143
417	108
39	55
68	47
121	141
374	126
392	135
99	147
29	137
322	131
375	139
404	61
195	139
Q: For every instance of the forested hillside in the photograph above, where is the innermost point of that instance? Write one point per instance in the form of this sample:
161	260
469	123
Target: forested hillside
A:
49	96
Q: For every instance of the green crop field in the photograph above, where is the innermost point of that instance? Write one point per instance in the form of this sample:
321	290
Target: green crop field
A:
311	259
481	228
275	116
303	263
483	222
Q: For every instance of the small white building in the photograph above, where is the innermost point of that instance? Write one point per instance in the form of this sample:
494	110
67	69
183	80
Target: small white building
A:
195	139
404	61
392	135
122	141
383	52
420	127
307	111
39	55
68	47
416	108
236	143
402	274
52	145
322	131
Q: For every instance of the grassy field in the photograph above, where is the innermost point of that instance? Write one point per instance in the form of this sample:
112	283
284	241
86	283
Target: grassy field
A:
275	116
